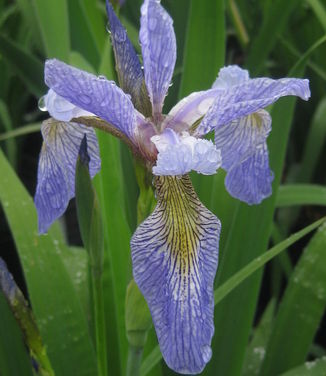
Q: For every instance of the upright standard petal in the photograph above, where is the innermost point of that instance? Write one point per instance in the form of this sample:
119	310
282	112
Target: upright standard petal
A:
190	109
158	45
248	97
94	94
130	74
56	170
175	255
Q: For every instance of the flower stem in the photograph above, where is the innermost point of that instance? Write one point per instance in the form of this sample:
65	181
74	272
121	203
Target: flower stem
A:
99	319
134	360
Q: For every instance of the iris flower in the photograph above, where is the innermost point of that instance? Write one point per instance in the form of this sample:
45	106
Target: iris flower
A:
175	250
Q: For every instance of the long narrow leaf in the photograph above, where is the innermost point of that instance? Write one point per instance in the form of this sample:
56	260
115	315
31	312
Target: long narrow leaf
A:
55	304
302	307
301	194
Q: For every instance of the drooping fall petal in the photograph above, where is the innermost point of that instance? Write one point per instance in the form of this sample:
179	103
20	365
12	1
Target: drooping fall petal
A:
175	256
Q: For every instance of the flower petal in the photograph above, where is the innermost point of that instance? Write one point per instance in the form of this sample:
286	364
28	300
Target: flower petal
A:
57	164
179	155
251	180
60	109
94	94
239	139
248	97
158	45
175	255
130	74
190	109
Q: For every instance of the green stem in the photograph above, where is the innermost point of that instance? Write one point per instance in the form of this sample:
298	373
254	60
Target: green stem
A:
134	360
99	319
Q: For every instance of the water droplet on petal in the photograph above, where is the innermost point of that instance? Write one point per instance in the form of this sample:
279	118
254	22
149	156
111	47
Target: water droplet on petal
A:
100	77
41	104
206	353
107	27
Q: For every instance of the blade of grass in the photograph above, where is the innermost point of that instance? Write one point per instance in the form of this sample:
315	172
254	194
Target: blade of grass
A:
14	359
257	347
53	21
314	368
273	25
5	121
319	11
22	131
28	67
55	304
302	307
314	144
301	194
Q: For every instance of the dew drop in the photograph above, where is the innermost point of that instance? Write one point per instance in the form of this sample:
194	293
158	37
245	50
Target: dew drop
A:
206	353
101	77
41	104
107	27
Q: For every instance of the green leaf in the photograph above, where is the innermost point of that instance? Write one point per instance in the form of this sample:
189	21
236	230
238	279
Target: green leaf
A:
91	229
6	122
257	347
53	20
314	368
27	66
301	194
319	11
273	25
110	185
55	304
14	359
314	143
301	310
22	131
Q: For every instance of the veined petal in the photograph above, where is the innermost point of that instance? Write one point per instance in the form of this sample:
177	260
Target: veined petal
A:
239	139
60	109
190	109
251	180
248	97
175	255
158	45
130	74
57	164
94	94
178	155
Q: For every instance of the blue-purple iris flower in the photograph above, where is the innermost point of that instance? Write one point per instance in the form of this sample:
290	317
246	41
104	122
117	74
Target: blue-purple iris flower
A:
175	250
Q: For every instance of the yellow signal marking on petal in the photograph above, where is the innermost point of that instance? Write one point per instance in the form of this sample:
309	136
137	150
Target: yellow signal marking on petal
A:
181	207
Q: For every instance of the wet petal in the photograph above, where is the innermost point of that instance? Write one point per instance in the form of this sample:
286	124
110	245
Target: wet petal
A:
130	74
251	180
60	109
190	109
240	138
175	255
158	45
94	94
178	155
57	164
248	97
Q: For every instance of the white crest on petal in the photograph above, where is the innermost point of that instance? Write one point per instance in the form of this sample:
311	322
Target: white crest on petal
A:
179	154
60	109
